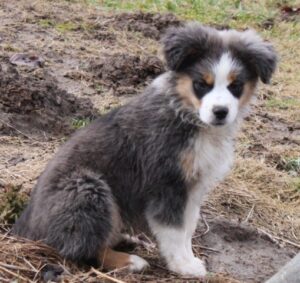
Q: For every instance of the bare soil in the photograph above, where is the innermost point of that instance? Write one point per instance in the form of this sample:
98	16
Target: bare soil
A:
126	74
150	25
241	251
93	61
31	104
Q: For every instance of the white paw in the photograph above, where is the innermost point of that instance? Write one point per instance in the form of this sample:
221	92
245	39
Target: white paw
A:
194	267
137	263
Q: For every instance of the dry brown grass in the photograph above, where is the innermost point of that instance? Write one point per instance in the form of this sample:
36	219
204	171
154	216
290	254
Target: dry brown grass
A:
261	196
27	261
23	259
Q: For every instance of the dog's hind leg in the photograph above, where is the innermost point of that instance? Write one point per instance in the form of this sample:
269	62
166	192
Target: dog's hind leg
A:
83	217
84	223
111	259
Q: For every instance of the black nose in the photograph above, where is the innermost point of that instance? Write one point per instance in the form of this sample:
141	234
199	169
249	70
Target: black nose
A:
220	112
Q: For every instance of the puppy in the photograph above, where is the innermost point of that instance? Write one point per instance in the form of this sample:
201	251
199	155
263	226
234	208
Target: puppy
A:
153	160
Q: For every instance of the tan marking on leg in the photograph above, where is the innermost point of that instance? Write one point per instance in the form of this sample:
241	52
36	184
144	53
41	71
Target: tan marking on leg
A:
117	226
187	160
110	259
184	88
187	164
249	90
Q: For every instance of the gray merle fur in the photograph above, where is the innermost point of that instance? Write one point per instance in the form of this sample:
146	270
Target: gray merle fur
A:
129	156
129	159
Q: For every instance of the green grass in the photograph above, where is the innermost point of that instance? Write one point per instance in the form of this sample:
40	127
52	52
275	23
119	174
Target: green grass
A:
67	26
12	203
46	23
233	13
78	123
292	164
64	27
283	103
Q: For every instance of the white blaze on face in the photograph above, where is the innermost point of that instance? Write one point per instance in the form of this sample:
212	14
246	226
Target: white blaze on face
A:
220	96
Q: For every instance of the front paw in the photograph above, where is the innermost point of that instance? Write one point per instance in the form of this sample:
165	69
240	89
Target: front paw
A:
193	267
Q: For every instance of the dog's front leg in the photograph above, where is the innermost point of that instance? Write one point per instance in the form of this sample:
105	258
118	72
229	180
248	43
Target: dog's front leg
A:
175	246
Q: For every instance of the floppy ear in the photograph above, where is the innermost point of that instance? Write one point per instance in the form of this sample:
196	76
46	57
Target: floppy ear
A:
184	45
258	55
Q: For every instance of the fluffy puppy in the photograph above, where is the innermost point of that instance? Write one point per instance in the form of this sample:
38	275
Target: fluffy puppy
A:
154	159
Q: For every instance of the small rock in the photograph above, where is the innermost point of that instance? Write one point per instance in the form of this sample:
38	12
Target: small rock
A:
23	59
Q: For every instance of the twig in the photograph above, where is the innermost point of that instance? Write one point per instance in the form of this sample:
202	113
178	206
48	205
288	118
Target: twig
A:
163	268
66	271
4	280
14	267
12	127
38	271
293	231
249	214
15	274
150	243
33	268
206	248
206	225
106	276
275	239
116	270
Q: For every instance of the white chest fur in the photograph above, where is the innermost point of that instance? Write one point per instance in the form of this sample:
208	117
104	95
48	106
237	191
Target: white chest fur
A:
209	158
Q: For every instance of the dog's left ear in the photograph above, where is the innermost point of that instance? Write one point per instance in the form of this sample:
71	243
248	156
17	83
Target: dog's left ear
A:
184	45
258	55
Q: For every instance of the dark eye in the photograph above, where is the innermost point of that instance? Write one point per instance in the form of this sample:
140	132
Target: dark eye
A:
236	88
201	88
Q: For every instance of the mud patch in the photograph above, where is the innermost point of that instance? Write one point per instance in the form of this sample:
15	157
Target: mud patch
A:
32	104
241	251
125	72
149	24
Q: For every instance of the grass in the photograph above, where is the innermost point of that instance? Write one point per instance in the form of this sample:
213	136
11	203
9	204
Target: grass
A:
231	13
46	23
283	103
292	165
78	123
12	203
65	26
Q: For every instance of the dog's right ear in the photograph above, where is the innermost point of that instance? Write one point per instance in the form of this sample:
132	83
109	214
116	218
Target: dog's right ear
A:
183	45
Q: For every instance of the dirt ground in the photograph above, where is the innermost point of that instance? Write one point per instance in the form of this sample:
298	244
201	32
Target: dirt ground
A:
74	63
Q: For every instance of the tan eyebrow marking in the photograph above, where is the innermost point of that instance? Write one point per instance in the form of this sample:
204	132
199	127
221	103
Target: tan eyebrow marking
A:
231	77
184	88
209	78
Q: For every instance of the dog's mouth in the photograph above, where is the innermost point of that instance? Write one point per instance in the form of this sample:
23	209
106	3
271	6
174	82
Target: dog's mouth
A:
218	123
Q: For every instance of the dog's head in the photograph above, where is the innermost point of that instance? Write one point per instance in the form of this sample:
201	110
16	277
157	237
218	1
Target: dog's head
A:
217	71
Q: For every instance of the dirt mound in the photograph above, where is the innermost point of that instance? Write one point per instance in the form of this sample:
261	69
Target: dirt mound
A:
149	24
120	71
241	251
32	104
